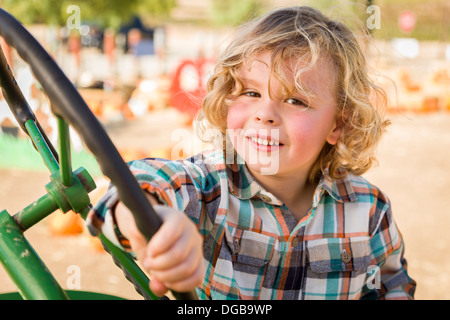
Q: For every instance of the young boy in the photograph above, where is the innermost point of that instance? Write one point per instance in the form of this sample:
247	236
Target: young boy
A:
281	211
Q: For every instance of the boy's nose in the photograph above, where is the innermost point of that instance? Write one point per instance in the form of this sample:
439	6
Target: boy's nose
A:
267	114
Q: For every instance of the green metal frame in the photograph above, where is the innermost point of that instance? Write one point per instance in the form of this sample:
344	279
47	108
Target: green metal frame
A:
66	191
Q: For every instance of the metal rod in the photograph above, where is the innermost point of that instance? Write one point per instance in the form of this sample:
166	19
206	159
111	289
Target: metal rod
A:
64	152
127	263
124	261
25	268
42	147
35	212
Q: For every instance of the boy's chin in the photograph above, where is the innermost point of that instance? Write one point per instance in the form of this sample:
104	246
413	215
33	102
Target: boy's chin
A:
268	167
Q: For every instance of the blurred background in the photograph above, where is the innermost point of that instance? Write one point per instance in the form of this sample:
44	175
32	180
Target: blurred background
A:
142	65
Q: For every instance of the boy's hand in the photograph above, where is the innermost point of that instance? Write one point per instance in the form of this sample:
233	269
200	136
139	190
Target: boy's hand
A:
173	257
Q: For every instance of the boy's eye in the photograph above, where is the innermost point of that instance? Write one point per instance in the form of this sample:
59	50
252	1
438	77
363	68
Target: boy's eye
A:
296	102
252	94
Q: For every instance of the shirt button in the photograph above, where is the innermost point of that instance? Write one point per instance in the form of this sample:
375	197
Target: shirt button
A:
345	256
265	198
294	242
236	246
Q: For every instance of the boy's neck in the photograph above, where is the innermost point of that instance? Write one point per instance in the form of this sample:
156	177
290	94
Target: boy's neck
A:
296	192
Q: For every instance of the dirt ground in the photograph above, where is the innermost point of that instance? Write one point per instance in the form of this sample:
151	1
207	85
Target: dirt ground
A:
414	170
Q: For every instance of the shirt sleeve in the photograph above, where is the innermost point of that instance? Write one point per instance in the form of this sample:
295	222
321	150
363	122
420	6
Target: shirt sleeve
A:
177	184
392	280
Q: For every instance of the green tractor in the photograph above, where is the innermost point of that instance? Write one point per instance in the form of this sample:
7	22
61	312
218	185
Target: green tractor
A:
67	189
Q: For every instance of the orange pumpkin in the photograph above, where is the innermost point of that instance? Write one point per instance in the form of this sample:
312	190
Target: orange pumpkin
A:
160	153
430	104
68	223
95	243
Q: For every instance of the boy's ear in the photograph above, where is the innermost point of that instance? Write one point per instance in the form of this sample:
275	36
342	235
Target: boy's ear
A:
336	132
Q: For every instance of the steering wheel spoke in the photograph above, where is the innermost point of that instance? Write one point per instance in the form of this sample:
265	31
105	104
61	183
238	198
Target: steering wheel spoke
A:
64	152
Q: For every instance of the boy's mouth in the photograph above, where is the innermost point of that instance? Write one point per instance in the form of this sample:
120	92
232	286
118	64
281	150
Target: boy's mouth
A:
265	141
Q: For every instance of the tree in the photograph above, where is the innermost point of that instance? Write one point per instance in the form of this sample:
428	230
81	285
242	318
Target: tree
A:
106	13
34	11
234	12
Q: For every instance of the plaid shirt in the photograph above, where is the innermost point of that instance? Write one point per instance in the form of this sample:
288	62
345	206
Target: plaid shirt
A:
346	247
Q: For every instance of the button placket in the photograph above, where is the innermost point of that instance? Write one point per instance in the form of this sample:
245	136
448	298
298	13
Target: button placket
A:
236	246
294	242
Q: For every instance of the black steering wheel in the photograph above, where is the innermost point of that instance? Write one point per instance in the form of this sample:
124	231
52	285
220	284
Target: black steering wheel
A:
67	103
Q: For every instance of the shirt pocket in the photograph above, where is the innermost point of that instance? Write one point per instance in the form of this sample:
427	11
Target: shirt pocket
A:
337	268
243	260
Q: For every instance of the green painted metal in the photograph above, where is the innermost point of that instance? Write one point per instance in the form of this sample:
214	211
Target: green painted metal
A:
25	268
74	197
72	294
41	146
130	265
35	212
64	152
127	262
83	176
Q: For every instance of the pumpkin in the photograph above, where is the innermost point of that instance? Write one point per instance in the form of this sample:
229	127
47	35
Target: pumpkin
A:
95	243
68	223
160	153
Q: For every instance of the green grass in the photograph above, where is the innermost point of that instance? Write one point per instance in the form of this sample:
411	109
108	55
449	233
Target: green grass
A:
19	153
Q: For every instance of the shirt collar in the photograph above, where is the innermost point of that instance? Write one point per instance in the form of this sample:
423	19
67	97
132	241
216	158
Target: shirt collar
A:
340	190
244	186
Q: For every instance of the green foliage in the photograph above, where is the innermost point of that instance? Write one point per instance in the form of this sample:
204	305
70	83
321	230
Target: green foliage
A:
156	8
35	11
107	13
432	21
155	12
235	12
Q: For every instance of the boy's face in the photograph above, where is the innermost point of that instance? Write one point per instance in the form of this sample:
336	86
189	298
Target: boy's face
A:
282	136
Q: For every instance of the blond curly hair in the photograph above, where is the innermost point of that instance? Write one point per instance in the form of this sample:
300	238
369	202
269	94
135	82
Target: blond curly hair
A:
308	35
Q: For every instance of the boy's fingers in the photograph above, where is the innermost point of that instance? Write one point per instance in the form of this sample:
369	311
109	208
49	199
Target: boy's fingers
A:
157	287
170	231
178	272
190	283
128	228
185	246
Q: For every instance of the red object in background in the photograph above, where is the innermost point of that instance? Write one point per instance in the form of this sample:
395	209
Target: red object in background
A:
407	21
189	86
6	51
74	44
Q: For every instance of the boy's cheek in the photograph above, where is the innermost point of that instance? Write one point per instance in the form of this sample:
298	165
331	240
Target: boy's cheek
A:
236	117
